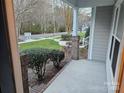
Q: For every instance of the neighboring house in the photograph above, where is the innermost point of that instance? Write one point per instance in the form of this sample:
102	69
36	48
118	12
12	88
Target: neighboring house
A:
106	42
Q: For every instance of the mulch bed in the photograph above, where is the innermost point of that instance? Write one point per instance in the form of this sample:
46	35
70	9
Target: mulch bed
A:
51	71
83	53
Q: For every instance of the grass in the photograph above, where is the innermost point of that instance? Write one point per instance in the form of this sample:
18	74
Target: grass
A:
48	43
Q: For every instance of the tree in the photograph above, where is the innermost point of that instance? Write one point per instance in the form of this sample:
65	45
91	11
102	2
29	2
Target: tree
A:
68	19
22	7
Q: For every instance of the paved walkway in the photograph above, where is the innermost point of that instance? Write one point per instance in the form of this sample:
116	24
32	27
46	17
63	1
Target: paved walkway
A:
80	77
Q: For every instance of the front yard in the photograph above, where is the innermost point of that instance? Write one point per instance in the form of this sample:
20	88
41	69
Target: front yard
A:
37	51
47	43
38	54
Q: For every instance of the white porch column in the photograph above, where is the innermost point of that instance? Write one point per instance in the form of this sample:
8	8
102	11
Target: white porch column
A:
75	38
91	39
75	21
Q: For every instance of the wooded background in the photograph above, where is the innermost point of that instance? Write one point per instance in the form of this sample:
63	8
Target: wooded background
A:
46	16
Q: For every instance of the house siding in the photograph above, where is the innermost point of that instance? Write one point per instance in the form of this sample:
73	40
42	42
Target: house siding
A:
101	32
120	32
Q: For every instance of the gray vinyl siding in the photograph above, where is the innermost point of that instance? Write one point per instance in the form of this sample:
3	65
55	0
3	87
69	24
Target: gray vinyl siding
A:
102	32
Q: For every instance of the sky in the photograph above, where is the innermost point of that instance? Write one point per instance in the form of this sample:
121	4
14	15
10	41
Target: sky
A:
82	10
86	10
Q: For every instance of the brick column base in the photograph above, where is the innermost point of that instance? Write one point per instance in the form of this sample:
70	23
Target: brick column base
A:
75	47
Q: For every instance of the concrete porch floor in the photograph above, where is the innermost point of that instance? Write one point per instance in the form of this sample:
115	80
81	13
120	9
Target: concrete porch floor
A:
80	77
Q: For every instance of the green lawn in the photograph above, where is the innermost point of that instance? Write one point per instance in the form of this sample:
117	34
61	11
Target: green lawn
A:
48	43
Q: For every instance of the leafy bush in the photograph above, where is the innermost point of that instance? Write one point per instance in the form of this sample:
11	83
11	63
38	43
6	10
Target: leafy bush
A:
39	57
81	35
66	37
56	57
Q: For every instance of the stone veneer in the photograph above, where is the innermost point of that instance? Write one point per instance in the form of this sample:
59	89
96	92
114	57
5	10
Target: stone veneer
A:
75	47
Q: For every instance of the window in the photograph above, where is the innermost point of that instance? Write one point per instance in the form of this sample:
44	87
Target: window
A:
115	42
115	56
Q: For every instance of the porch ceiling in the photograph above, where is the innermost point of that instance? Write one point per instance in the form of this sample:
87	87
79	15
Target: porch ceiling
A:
89	3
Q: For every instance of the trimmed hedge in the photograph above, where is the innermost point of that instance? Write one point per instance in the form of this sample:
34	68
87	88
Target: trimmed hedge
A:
56	57
39	57
66	37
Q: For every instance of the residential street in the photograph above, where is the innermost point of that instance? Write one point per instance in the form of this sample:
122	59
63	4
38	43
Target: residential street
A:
40	36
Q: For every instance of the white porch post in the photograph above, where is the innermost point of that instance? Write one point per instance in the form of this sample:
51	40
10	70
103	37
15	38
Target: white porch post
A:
75	21
75	38
91	39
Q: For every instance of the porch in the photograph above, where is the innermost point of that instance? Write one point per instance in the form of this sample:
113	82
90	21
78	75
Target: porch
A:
80	76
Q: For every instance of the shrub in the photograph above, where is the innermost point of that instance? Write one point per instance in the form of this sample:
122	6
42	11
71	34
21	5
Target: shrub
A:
38	59
66	37
56	57
81	35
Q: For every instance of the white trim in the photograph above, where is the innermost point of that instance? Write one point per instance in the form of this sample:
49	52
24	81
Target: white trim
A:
75	22
90	49
108	61
114	31
116	24
116	38
110	78
113	23
114	34
118	3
